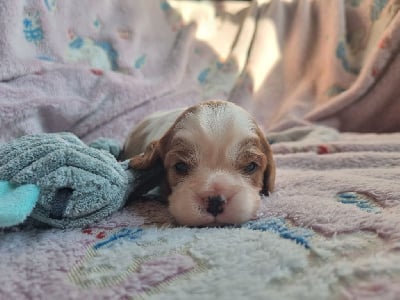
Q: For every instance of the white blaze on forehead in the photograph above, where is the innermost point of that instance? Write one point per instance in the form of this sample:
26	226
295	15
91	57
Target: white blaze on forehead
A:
226	125
223	120
229	125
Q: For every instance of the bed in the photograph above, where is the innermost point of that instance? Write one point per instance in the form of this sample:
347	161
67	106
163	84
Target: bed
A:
320	77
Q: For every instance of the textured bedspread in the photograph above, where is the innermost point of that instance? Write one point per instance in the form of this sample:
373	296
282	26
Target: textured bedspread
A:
330	231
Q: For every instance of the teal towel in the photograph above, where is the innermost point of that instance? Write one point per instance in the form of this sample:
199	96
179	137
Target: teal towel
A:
78	184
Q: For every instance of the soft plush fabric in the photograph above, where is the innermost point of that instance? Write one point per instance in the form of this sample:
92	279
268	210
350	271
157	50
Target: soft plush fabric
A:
57	180
16	202
95	67
331	230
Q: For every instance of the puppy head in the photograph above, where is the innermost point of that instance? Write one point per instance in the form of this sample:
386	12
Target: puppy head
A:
217	163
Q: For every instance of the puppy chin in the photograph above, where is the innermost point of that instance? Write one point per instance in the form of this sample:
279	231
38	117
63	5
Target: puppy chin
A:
188	209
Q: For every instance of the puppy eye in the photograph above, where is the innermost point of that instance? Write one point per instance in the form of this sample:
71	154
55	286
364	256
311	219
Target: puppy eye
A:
250	168
181	168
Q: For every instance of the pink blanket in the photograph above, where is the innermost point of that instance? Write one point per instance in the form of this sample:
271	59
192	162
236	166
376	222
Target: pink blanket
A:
95	67
331	230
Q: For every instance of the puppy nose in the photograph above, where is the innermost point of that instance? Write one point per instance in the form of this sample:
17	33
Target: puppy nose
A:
215	205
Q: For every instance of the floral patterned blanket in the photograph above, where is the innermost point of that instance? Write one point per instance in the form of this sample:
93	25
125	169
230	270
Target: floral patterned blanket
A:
331	230
95	67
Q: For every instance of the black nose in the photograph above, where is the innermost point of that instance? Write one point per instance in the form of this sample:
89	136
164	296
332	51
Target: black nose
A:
215	205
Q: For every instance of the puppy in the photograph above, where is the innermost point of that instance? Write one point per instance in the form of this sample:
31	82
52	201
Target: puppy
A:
217	162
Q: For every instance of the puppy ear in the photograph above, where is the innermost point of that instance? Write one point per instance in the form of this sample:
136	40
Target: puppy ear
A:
269	173
148	159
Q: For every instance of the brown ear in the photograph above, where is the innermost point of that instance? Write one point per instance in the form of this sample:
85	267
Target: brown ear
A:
147	159
269	173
